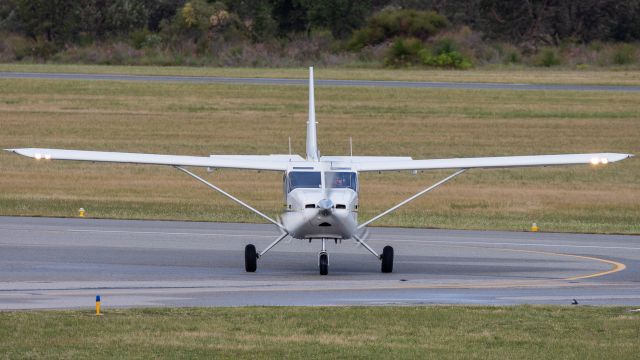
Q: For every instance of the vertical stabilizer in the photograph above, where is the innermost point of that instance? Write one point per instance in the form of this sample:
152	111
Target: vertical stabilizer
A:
312	139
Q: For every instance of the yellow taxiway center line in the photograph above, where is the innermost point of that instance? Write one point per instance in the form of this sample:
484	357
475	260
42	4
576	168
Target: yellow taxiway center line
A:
617	266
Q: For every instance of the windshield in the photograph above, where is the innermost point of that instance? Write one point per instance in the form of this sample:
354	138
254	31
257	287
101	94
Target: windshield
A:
341	180
304	179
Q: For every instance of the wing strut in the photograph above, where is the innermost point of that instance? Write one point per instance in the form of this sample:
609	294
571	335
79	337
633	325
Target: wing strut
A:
411	198
361	241
274	243
240	202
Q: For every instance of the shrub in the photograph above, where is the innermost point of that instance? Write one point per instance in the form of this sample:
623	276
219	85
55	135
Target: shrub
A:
138	37
14	47
547	57
452	59
624	54
43	49
444	54
404	52
389	24
513	57
443	46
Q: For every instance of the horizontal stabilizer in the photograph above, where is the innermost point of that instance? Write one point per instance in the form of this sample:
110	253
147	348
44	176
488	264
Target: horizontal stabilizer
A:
364	158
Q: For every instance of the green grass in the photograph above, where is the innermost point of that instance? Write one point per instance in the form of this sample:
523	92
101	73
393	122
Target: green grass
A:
440	332
201	119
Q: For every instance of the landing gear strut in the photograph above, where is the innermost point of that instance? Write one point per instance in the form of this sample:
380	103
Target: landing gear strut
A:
386	257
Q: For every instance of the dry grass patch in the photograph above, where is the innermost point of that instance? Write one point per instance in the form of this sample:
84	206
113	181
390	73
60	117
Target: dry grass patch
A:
200	119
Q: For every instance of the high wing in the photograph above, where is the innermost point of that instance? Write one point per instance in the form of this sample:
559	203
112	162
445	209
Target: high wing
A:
249	162
489	162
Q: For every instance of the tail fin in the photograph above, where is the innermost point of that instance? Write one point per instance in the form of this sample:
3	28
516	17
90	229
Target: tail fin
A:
312	140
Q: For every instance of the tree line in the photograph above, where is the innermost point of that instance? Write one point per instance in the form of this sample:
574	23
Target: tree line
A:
200	27
518	21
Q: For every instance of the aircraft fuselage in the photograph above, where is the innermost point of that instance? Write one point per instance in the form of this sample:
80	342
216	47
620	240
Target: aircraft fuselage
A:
320	201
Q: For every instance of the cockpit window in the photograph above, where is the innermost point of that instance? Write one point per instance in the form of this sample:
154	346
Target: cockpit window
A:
304	179
341	180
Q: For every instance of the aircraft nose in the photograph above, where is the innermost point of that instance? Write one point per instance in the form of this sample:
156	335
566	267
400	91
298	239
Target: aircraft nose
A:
325	205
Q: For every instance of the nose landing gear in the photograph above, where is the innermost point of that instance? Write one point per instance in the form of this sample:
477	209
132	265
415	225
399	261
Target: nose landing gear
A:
323	259
323	263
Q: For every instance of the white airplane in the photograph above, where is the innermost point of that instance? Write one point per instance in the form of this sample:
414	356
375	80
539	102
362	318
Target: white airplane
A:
321	192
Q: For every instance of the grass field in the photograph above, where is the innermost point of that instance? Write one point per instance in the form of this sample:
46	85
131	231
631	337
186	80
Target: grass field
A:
441	332
620	76
201	119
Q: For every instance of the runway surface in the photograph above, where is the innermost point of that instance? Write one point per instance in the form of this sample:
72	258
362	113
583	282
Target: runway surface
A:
281	81
65	263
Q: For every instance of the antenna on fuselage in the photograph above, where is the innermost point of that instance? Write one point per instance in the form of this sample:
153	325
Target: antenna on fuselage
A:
289	145
312	140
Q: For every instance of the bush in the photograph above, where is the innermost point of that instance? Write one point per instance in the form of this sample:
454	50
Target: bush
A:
547	57
404	52
411	51
14	47
513	57
43	49
389	24
624	54
452	59
444	54
138	37
443	46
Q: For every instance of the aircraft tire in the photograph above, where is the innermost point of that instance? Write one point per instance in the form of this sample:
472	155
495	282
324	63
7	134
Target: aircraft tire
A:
250	258
387	259
324	264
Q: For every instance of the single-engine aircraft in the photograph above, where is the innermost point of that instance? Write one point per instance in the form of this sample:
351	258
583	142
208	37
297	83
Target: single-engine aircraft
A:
320	192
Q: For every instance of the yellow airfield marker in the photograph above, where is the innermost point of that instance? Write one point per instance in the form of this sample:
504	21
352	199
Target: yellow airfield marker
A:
534	227
98	306
81	212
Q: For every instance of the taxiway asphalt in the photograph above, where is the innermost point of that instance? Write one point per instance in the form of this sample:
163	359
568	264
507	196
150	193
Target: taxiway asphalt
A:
318	82
64	263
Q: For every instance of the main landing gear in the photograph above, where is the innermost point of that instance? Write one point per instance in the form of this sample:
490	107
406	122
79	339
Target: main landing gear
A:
387	259
251	257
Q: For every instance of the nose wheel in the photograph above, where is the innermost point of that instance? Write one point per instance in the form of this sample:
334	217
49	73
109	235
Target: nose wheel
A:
323	263
323	259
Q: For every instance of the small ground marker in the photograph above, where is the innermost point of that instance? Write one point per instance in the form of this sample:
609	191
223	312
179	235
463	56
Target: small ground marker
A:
534	227
81	212
98	305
